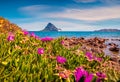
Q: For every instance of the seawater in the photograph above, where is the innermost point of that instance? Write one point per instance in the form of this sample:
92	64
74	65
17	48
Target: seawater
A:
85	34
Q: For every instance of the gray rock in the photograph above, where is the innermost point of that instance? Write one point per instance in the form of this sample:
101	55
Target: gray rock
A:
51	27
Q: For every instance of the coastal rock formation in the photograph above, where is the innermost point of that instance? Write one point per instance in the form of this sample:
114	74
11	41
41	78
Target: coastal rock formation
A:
113	47
6	26
51	27
94	45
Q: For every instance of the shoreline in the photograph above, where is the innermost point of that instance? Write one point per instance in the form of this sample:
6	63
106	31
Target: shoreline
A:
96	45
78	34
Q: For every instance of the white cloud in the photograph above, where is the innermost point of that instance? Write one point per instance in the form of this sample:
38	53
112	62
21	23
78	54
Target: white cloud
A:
34	26
85	1
110	2
94	14
70	26
33	8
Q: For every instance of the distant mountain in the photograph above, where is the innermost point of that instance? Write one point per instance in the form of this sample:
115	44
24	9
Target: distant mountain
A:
7	26
51	27
108	30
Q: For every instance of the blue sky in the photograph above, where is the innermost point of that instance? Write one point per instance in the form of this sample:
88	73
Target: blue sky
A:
69	15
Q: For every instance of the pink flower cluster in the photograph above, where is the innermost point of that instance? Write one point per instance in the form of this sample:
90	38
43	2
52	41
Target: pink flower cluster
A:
32	34
91	57
100	76
62	42
40	51
81	73
10	37
46	39
61	59
25	32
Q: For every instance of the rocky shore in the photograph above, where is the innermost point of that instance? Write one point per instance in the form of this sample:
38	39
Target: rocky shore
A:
96	45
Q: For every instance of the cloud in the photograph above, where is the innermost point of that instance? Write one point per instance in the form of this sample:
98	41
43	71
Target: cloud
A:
33	8
87	19
109	2
38	10
34	26
64	25
85	1
93	14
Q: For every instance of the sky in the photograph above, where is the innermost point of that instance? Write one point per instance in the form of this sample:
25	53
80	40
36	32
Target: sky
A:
69	15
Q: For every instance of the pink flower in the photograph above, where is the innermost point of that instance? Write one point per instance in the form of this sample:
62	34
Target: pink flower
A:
98	59
46	39
62	42
101	76
10	37
61	59
88	78
32	35
79	73
89	56
40	51
25	32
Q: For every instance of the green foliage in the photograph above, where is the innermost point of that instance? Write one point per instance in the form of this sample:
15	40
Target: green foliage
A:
19	60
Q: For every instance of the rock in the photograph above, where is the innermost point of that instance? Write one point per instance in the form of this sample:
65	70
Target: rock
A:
102	46
112	44
96	50
114	48
115	39
51	27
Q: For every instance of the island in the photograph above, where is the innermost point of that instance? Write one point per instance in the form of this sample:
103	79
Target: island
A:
108	30
51	27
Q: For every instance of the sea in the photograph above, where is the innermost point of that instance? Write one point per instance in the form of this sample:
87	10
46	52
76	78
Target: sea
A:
85	34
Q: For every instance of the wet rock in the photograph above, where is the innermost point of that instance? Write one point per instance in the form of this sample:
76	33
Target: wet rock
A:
115	39
97	50
114	48
82	38
94	45
112	44
102	46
